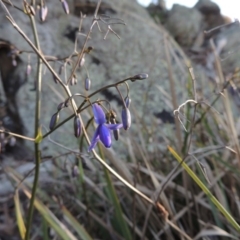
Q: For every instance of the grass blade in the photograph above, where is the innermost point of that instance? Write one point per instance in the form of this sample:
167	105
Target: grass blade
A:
20	221
219	206
75	224
121	223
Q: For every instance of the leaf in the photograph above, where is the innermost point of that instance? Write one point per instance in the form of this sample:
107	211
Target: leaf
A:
219	206
20	221
52	220
75	224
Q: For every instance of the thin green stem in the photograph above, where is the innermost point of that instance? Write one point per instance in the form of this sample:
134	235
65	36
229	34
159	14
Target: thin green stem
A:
37	131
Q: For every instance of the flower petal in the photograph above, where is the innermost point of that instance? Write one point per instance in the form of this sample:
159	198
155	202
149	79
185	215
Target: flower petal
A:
114	126
99	115
105	136
95	139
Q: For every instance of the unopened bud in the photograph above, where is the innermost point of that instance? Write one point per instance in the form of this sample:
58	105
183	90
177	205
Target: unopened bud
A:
81	63
2	136
28	70
66	103
116	134
77	126
60	69
73	80
2	147
127	101
75	171
140	76
54	120
14	62
43	13
65	6
12	141
87	84
61	106
126	118
55	79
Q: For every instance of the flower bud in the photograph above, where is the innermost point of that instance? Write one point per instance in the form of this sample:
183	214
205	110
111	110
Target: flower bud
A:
54	120
14	61
1	147
43	13
65	6
116	134
75	171
140	76
60	69
73	80
81	63
12	141
87	84
2	136
55	79
28	70
126	118
66	103
77	126
127	101
61	106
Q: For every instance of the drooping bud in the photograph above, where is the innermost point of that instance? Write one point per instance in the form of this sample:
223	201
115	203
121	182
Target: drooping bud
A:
77	126
61	106
54	120
2	146
75	171
12	141
126	118
116	134
43	13
65	6
87	83
140	76
2	136
81	63
73	80
127	101
28	70
14	61
55	79
60	69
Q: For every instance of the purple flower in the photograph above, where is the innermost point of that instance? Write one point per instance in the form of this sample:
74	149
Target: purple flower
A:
103	130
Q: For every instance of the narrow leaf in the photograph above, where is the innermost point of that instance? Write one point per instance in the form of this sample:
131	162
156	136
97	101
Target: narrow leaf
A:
20	222
219	206
75	224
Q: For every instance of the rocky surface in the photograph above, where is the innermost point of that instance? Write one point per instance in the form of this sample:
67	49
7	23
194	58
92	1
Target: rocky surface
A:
140	49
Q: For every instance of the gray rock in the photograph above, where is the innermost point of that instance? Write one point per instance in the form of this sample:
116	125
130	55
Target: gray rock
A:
211	14
207	6
230	54
140	49
184	24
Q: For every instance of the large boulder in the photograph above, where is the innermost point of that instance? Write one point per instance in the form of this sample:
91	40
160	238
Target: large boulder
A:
184	24
140	49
